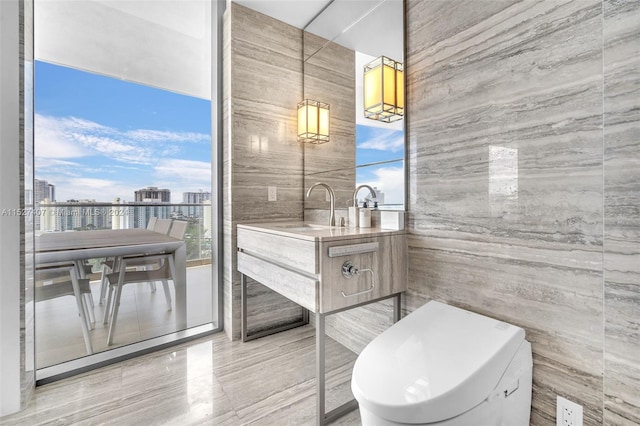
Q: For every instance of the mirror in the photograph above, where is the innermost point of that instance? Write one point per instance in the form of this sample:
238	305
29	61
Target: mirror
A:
337	44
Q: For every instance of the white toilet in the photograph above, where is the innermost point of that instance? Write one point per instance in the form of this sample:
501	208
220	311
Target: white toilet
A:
442	365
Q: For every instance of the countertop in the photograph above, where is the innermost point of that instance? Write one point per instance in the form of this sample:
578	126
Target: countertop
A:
315	232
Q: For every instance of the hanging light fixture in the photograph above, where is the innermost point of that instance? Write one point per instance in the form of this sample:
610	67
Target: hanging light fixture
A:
313	121
384	90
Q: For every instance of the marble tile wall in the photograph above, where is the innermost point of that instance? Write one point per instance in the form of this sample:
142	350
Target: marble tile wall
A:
262	86
505	145
511	219
621	212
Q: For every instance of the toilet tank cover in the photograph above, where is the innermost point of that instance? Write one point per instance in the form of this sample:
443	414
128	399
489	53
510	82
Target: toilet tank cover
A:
434	364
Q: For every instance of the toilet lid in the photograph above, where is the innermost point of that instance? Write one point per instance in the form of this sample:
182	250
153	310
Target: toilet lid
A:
434	364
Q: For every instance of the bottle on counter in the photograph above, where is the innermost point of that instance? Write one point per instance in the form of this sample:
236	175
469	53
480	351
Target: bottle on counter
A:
364	217
353	217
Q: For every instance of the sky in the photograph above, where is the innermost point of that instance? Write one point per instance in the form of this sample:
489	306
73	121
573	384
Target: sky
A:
375	144
100	138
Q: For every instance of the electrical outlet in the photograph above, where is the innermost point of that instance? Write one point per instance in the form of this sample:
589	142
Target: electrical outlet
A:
272	193
568	413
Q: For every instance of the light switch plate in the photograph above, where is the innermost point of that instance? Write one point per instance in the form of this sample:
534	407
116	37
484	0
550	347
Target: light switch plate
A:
272	193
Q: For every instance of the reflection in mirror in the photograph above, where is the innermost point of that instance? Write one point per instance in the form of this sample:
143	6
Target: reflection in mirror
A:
384	90
338	44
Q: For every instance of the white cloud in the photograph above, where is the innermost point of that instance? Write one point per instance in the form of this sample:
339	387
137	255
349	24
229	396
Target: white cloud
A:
49	162
98	184
194	174
124	160
52	139
80	188
384	143
391	181
162	136
99	189
72	137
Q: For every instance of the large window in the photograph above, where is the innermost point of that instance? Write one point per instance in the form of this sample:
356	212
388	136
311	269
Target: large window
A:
102	139
123	158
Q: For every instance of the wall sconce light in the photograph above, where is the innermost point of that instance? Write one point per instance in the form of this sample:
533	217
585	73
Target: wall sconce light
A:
313	122
384	90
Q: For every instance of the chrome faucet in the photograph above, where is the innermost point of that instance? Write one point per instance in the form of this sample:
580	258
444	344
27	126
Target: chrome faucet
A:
355	193
332	199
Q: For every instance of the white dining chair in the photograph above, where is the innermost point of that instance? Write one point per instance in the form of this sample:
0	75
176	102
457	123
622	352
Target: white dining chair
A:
152	223
58	280
117	281
157	267
161	226
178	230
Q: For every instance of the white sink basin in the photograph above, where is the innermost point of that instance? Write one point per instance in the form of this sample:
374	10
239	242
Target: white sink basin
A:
307	227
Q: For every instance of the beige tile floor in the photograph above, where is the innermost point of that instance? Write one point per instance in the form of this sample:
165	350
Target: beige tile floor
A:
210	381
143	314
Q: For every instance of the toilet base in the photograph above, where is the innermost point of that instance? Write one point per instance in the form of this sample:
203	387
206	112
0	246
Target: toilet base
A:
497	410
485	414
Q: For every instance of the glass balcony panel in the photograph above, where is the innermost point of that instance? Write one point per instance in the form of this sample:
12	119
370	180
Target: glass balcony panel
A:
143	312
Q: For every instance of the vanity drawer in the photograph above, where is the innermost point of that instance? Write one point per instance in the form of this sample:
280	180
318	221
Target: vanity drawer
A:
296	287
388	265
292	252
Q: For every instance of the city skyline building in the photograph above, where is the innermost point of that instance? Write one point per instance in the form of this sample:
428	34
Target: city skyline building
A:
196	197
200	197
121	217
157	200
43	190
74	214
118	214
151	194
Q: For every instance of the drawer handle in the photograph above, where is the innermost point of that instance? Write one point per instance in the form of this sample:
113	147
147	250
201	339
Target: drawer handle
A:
348	271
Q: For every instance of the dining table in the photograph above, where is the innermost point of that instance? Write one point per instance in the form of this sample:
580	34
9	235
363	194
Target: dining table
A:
78	246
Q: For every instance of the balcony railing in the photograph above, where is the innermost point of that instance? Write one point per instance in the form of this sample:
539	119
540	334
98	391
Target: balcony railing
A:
83	217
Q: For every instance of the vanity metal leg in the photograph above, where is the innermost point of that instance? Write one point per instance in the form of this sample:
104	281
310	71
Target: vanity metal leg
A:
320	378
323	418
243	302
397	307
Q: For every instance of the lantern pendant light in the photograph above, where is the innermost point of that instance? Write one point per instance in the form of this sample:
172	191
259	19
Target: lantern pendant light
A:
384	90
313	122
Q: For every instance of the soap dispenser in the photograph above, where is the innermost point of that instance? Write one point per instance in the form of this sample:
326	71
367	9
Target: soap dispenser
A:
364	216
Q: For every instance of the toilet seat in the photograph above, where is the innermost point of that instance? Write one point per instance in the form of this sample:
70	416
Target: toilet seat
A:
435	364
